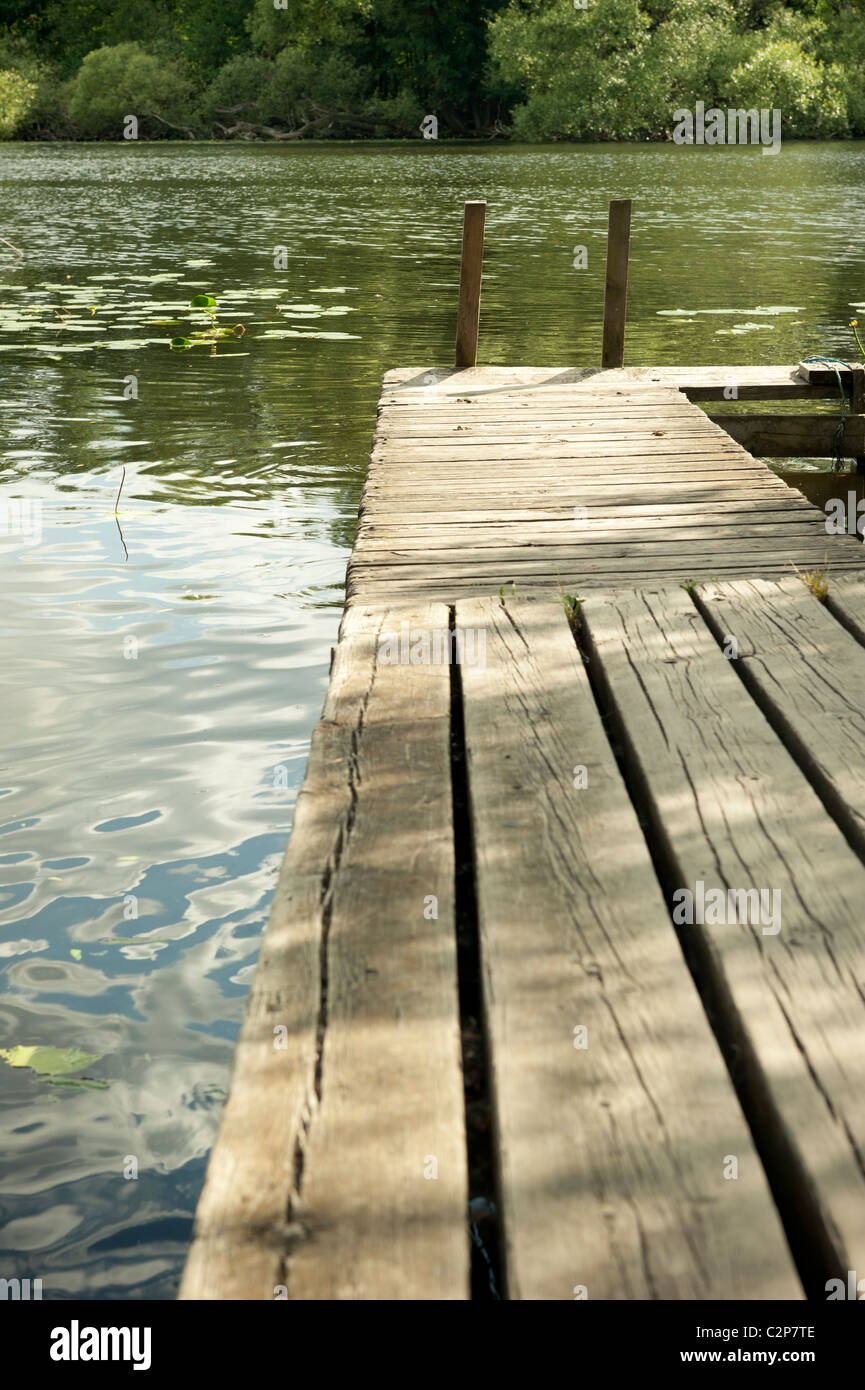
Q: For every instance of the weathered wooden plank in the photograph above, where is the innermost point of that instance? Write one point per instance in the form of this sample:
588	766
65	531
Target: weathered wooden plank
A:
453	410
471	549
450	590
808	549
523	557
568	496
614	499
635	517
595	451
808	676
632	556
562	520
685	558
506	408
423	511
846	600
611	1155
570	473
447	589
525	422
502	433
553	538
316	1183
585	413
698	383
569	485
817	374
599	469
509	470
699	485
582	397
728	808
420	511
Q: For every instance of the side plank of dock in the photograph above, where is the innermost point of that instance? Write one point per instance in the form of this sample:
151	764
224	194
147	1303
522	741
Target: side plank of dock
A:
642	717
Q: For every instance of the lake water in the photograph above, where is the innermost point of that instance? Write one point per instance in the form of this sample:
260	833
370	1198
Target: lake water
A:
163	669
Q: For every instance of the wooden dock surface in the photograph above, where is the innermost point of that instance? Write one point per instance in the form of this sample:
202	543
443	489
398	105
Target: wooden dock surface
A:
501	475
677	1107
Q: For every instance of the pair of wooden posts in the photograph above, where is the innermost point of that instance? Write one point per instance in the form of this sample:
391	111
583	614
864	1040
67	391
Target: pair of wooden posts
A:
615	291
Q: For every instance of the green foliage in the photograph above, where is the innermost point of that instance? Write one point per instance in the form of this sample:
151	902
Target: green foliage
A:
17	100
842	37
238	87
204	33
535	69
126	80
695	47
571	606
583	72
210	335
781	75
306	23
30	97
620	67
303	88
303	84
52	1064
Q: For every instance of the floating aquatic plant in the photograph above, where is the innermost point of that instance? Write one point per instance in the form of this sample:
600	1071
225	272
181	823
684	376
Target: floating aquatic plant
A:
53	1064
208	304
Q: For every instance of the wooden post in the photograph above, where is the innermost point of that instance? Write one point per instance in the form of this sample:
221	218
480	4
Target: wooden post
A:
468	312
616	288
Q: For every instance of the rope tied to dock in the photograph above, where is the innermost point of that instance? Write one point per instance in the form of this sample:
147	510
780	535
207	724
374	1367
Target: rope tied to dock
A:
838	438
480	1209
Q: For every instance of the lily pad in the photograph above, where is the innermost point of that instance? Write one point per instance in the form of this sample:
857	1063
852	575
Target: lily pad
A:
122	344
761	309
741	328
202	301
295	333
49	1061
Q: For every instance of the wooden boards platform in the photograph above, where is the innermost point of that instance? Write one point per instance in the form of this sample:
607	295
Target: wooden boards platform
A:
498	476
643	829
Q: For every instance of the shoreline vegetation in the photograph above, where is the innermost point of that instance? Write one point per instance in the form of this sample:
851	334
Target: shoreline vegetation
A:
524	70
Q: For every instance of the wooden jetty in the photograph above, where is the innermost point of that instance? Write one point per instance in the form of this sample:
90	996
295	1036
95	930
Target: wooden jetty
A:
578	679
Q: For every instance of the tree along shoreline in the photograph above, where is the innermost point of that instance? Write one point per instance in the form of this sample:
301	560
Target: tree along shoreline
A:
536	71
500	140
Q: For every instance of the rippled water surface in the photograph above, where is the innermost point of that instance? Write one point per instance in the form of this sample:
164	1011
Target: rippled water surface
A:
163	668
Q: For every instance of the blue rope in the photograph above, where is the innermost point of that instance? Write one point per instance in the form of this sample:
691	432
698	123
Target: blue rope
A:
479	1208
838	438
476	1237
